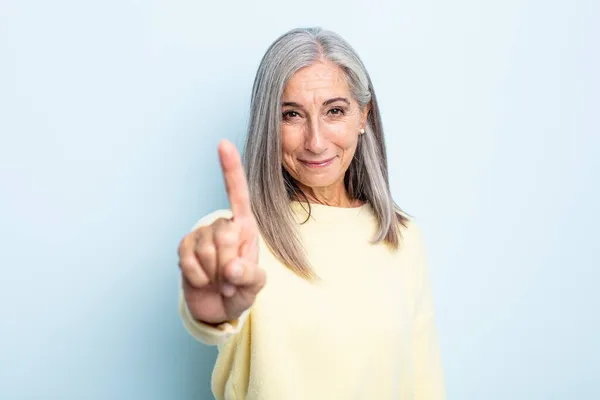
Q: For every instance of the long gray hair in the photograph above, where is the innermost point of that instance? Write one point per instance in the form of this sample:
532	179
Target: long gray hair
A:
271	187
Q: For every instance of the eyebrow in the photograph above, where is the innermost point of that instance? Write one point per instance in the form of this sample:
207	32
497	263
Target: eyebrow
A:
325	103
343	99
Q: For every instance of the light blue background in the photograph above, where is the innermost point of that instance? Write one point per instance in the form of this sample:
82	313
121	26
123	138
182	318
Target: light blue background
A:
110	113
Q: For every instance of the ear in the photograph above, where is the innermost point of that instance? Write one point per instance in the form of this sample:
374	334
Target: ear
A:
364	115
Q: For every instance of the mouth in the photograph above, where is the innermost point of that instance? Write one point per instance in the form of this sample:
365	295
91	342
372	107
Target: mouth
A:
317	164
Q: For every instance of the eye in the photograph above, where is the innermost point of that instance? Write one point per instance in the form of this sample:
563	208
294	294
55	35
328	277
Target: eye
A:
336	111
290	115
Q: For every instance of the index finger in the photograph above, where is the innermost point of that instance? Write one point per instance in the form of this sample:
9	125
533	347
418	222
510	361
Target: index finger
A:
235	180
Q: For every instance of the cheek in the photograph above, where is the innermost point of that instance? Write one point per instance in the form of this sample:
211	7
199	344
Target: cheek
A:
344	138
344	133
291	142
291	139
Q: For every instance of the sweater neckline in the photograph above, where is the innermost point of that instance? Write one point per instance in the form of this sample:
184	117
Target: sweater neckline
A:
322	212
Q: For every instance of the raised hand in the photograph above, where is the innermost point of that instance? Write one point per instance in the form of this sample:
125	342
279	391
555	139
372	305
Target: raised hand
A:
219	262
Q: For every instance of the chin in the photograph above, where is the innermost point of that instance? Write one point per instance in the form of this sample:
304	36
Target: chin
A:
318	181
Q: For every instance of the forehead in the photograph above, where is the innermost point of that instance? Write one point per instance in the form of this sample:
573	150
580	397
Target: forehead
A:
322	77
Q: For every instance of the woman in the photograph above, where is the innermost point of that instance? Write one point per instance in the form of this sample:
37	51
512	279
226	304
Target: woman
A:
347	312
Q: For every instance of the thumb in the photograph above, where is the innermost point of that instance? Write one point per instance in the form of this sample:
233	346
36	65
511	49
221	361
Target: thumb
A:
245	274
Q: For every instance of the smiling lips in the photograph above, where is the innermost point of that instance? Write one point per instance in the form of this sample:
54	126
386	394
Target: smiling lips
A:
317	164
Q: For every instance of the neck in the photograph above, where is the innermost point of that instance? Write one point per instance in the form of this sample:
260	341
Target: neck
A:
335	196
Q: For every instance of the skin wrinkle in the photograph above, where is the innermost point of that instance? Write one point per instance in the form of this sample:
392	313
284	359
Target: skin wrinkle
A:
272	186
315	128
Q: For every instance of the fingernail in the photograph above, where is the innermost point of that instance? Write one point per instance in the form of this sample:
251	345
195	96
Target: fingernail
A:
227	290
236	270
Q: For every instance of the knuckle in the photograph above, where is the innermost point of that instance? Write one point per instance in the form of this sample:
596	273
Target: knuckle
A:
188	270
227	237
184	245
220	223
194	276
197	280
205	252
185	264
203	232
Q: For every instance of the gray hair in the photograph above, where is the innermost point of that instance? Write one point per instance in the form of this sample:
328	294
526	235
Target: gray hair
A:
271	187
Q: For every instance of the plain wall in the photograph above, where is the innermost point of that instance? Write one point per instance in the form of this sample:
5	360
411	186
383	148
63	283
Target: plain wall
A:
110	113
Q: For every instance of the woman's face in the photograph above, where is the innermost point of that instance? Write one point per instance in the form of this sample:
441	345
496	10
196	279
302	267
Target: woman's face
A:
321	125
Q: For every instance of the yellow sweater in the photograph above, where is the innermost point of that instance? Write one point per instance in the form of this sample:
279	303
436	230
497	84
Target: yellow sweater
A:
364	331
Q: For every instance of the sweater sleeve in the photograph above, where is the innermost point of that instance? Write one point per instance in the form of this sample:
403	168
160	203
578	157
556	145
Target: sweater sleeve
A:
205	333
427	363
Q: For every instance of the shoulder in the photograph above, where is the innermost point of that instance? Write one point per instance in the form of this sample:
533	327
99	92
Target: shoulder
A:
412	240
410	229
212	217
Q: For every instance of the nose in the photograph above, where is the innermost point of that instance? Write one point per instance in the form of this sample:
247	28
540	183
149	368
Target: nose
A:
315	140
